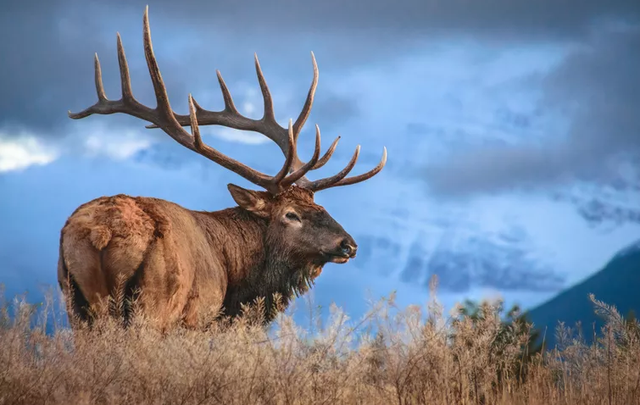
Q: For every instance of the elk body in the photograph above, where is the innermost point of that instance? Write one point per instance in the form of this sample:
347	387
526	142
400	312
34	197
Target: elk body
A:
187	263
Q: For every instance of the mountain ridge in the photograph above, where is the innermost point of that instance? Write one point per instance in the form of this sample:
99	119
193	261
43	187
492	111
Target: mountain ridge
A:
614	284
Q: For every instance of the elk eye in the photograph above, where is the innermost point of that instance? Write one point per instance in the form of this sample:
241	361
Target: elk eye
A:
292	216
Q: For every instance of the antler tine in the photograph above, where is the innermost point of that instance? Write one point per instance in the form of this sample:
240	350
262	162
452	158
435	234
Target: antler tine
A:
102	98
291	154
162	98
254	176
125	78
323	161
326	183
228	100
269	114
340	180
311	164
98	79
306	109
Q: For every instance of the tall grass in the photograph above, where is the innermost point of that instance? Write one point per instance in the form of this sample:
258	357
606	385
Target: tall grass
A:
390	356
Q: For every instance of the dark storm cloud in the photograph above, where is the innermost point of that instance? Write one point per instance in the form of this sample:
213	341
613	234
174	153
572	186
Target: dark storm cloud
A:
598	89
603	84
331	111
33	77
563	18
47	46
47	65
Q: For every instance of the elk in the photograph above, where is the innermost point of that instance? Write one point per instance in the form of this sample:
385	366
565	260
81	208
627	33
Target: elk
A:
184	262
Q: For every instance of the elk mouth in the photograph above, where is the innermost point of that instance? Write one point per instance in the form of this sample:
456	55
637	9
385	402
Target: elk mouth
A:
337	258
340	255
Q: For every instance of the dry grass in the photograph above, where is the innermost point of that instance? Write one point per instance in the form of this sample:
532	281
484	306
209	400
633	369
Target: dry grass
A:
389	357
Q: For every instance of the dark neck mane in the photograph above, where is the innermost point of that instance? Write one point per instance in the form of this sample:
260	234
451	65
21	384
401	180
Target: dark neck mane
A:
255	269
276	281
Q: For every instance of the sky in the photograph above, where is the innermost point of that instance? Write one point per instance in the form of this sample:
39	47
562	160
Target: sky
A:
511	126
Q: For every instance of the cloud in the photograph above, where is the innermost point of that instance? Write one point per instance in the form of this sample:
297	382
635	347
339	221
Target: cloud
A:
490	18
593	97
47	65
48	69
117	145
232	135
20	153
601	85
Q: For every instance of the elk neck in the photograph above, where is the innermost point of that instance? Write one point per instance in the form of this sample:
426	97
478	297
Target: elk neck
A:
255	266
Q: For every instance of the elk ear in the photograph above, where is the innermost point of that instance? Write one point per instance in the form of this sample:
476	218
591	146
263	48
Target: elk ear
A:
249	200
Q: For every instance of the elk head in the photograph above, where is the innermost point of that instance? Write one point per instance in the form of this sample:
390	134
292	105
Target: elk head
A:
296	226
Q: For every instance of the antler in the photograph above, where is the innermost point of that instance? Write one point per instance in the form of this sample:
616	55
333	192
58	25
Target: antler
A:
163	117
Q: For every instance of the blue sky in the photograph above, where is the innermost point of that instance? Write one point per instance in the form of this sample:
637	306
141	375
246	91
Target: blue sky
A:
511	126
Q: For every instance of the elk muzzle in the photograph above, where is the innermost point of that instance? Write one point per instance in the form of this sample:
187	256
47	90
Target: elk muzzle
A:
345	249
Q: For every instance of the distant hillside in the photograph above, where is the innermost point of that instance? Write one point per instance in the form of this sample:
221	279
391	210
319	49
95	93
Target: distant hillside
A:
618	283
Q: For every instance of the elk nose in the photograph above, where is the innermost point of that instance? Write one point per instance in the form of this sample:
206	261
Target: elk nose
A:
348	247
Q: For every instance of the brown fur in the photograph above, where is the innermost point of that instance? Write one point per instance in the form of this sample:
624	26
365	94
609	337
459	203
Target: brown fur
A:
188	264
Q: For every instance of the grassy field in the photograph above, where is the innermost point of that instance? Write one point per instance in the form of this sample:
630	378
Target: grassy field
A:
415	356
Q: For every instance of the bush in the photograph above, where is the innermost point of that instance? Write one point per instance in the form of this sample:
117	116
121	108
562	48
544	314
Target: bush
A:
390	356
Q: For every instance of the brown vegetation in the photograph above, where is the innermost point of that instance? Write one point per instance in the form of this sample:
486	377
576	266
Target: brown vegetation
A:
190	265
388	357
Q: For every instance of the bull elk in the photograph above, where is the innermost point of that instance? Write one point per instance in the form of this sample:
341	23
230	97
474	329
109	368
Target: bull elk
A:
187	262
